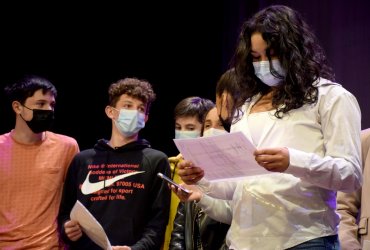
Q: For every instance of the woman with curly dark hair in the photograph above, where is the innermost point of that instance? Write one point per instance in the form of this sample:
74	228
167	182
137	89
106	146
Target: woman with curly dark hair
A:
306	129
286	42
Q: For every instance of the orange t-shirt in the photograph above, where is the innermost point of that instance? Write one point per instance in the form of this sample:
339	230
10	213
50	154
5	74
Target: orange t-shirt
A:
31	181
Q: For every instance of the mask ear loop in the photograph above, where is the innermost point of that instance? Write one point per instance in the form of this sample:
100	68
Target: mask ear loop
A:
26	108
117	110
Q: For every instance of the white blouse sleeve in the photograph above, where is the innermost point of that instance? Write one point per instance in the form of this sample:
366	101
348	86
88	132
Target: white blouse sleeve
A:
217	209
221	189
340	168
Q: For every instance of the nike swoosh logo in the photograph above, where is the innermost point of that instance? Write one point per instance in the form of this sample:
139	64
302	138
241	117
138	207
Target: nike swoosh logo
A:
89	188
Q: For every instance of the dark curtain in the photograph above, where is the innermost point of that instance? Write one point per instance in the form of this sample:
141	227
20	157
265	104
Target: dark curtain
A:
181	48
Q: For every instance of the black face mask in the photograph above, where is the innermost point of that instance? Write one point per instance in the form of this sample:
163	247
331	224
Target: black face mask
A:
225	123
41	121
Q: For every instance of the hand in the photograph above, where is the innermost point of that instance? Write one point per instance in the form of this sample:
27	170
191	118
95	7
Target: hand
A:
194	195
121	248
273	159
72	230
189	173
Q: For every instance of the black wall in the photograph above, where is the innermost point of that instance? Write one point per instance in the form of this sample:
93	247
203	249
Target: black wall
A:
180	49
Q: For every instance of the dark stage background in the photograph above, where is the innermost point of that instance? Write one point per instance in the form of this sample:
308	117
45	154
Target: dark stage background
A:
180	48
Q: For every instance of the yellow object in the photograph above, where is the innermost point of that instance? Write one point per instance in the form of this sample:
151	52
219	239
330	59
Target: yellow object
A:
174	200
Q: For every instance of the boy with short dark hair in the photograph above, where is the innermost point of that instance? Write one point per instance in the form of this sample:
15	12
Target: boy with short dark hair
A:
33	165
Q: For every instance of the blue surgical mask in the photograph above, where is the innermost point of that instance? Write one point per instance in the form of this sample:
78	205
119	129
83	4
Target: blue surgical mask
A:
129	122
179	134
263	72
213	131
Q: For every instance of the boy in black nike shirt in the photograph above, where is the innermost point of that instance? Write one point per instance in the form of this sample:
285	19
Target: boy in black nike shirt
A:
116	180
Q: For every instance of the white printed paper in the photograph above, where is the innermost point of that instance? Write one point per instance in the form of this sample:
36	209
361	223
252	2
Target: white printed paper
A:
222	156
90	226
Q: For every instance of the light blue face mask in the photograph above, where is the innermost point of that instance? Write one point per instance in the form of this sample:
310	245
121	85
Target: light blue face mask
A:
213	132
263	72
179	134
129	122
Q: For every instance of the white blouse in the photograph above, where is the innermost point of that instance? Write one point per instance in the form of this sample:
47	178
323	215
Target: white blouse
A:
281	210
257	122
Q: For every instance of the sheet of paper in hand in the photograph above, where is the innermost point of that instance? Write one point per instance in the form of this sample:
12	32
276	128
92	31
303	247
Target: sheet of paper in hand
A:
90	226
222	157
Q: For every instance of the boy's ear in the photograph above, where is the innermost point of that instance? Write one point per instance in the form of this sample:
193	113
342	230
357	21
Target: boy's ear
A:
109	112
17	107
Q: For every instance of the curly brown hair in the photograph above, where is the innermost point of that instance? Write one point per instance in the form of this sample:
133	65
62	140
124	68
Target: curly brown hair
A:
298	50
133	87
